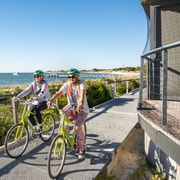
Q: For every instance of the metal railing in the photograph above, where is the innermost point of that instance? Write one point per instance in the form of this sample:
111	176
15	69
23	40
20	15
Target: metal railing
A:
164	75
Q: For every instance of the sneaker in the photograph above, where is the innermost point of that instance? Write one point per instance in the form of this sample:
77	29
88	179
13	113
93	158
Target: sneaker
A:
39	128
81	155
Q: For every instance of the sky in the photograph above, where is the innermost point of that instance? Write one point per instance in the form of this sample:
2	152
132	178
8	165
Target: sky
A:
61	34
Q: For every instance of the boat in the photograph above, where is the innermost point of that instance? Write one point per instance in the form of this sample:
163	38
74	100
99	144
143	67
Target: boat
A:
16	73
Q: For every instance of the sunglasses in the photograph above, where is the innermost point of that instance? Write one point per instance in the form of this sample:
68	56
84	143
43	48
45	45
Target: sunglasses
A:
36	76
71	77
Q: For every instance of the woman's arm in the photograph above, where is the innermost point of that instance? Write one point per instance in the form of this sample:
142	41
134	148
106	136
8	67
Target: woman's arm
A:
80	102
54	97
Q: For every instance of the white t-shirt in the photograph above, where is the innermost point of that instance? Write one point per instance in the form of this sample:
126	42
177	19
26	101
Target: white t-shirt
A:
76	89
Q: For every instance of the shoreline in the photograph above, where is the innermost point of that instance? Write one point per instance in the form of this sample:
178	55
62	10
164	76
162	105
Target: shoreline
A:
123	74
90	75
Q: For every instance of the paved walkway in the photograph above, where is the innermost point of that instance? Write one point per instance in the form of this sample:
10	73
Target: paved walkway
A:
107	126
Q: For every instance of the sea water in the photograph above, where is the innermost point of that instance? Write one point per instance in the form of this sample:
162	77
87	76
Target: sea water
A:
8	79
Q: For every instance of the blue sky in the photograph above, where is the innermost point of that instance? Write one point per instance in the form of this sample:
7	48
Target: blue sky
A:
60	34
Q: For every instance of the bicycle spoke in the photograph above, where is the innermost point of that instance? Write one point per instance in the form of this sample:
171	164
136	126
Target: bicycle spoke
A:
48	127
16	141
56	157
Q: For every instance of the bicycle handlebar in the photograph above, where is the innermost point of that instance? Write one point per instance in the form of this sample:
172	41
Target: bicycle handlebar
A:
28	101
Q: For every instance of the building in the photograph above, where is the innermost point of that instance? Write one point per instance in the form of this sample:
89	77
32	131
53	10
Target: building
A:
159	100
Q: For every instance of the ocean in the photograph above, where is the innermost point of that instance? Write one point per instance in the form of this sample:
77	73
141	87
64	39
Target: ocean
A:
9	79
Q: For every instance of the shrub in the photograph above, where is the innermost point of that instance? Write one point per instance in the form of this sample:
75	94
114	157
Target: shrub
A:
6	121
133	84
97	93
121	89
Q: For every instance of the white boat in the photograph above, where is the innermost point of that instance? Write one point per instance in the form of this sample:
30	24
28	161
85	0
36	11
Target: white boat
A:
16	73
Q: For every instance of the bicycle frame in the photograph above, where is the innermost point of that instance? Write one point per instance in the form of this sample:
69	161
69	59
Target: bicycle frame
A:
71	140
25	114
24	117
23	121
18	135
64	140
63	132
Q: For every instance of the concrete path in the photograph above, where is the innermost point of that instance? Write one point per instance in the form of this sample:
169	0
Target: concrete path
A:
107	126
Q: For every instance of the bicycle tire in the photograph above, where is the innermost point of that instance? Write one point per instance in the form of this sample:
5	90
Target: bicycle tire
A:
48	124
56	157
16	140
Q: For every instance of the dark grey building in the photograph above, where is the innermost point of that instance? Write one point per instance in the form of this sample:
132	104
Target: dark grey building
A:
159	101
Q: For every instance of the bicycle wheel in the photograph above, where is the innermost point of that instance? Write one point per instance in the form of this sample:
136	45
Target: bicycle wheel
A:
56	156
16	140
48	124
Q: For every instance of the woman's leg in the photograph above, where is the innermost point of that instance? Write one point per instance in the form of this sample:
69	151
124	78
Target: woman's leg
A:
38	109
81	117
32	120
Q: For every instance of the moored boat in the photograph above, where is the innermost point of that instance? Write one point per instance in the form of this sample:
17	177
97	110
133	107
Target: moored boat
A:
16	73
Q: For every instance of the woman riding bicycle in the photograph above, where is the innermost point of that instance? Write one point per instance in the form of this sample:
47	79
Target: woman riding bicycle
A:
75	89
40	95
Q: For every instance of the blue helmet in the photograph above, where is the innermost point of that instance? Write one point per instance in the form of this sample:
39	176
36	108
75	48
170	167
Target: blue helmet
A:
39	72
74	71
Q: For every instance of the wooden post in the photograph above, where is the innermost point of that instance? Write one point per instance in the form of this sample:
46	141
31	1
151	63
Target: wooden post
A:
15	105
113	92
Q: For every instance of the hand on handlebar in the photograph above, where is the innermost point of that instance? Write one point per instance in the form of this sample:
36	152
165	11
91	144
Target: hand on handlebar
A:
15	98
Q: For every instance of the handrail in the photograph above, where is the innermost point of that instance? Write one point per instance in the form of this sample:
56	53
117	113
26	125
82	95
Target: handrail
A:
161	49
165	71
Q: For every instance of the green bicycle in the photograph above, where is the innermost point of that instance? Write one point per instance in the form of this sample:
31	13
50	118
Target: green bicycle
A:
17	138
66	138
